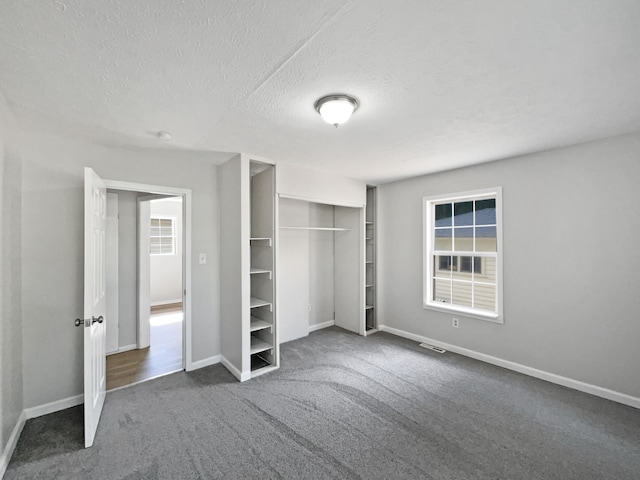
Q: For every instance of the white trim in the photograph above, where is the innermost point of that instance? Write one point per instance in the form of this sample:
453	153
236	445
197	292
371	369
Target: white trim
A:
187	198
126	348
11	443
145	187
52	407
322	201
458	310
205	362
263	370
242	376
318	326
166	302
517	367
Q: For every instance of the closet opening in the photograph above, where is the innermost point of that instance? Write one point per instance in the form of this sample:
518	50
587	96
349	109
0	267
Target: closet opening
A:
320	267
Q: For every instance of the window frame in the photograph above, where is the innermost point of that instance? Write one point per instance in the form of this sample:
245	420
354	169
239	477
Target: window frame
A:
428	252
174	250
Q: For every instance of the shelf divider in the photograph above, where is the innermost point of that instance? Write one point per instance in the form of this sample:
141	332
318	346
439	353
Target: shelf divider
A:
258	345
258	302
258	324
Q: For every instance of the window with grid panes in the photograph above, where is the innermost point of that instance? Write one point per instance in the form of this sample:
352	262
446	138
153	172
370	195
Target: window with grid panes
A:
463	252
162	236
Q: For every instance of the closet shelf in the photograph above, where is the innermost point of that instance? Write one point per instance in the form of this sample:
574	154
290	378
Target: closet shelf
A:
369	307
256	271
262	370
260	240
369	286
258	324
368	223
369	261
258	345
327	229
258	302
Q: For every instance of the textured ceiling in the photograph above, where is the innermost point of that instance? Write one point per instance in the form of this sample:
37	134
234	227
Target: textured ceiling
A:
442	84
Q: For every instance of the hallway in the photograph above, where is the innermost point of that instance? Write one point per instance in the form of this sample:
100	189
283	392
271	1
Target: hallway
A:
162	357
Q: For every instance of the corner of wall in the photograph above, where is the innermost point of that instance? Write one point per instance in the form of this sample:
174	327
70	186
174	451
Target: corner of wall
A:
11	362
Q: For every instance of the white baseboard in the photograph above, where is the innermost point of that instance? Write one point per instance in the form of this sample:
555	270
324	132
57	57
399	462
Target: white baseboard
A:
165	302
242	376
11	443
126	348
319	326
203	363
516	367
51	407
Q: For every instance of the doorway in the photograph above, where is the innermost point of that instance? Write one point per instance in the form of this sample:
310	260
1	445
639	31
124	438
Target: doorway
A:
148	287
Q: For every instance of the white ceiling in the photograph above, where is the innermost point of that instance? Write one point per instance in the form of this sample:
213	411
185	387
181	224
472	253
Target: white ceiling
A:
442	84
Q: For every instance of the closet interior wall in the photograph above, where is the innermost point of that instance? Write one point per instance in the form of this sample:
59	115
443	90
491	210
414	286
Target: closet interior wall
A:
312	237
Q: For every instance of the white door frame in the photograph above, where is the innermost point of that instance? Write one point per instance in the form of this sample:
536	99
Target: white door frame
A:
186	194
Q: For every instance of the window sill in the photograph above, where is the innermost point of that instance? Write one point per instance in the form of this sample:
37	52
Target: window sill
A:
464	312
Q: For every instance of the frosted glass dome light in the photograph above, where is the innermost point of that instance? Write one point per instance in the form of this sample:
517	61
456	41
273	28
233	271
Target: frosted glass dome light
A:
336	109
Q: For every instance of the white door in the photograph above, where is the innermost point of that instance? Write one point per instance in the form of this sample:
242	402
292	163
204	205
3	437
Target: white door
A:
95	304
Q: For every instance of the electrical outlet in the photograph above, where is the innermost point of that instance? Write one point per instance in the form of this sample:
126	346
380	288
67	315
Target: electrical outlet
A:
203	259
455	323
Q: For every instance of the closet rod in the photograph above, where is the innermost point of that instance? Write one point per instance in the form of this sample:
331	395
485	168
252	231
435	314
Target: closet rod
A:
328	229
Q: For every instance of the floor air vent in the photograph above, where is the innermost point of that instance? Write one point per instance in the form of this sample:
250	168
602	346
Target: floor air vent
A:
431	347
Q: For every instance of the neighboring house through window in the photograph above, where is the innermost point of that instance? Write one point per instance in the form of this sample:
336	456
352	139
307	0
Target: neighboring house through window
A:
463	253
162	236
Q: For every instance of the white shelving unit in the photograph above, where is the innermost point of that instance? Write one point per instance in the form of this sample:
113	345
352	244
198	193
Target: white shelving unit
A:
262	353
248	328
370	317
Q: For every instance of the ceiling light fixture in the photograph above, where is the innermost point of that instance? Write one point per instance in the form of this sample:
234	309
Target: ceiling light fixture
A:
336	109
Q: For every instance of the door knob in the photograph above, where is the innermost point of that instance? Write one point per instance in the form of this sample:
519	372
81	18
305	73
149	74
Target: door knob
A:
90	322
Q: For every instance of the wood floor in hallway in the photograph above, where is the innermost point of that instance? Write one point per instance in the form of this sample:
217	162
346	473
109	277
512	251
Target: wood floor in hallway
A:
163	356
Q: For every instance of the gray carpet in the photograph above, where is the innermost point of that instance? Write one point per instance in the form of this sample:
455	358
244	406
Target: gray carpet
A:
342	406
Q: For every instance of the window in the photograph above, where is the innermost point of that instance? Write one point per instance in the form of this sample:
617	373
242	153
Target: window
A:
465	265
463	254
162	240
451	263
448	263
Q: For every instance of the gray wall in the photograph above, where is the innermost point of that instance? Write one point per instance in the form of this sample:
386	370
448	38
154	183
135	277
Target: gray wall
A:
53	270
571	265
234	232
292	264
321	271
11	400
